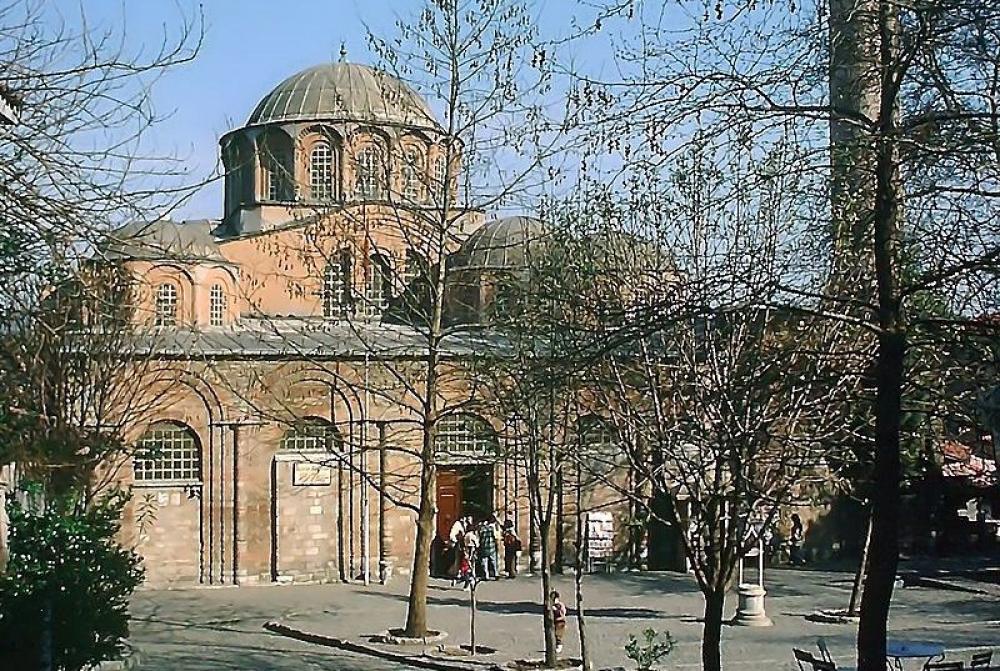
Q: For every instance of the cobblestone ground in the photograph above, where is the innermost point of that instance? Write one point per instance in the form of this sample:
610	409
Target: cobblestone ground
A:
221	628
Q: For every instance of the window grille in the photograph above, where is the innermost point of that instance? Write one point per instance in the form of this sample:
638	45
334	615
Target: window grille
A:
597	436
440	175
370	173
416	266
337	280
321	171
411	177
216	306
464	434
378	285
313	436
166	305
167	453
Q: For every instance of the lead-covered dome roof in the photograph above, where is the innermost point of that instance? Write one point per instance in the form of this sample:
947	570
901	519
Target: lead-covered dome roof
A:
344	92
503	244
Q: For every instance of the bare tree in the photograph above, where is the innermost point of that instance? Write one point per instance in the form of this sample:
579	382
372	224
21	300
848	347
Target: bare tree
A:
72	166
893	107
724	400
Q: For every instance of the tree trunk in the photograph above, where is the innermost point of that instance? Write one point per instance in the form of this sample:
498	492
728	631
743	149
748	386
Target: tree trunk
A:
557	562
859	579
581	544
883	556
547	622
711	637
416	613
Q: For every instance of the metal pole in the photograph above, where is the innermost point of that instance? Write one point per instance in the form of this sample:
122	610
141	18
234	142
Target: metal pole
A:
382	540
365	526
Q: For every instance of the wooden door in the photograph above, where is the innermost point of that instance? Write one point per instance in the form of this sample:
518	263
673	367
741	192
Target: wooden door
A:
449	500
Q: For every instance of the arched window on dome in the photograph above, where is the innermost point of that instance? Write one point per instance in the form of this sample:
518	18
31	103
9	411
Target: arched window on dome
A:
321	171
440	175
413	170
337	284
370	173
277	160
167	453
216	305
463	435
166	305
378	285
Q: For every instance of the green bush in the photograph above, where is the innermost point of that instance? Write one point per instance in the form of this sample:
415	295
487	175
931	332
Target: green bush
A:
650	650
68	575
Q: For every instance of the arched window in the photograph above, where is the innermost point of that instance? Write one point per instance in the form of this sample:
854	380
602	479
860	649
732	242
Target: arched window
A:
597	436
600	446
416	266
378	285
412	175
370	173
216	305
337	282
321	171
463	434
440	175
313	435
277	160
166	305
167	453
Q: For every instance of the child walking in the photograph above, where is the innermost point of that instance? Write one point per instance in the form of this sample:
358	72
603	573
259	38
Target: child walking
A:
558	619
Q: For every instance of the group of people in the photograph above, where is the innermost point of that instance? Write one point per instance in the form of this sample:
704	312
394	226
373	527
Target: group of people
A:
475	549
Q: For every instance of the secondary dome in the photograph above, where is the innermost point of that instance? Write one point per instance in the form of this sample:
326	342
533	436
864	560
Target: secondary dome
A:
504	244
344	92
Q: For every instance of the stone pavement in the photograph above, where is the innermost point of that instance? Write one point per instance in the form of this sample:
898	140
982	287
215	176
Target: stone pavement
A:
221	628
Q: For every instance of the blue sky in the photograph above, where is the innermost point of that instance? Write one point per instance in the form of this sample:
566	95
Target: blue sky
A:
249	47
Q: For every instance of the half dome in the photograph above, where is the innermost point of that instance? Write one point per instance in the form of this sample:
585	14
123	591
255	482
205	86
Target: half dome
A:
344	92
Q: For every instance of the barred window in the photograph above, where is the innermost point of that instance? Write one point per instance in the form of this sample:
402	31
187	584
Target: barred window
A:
167	453
440	175
416	266
166	305
216	306
411	176
597	436
369	178
311	436
321	171
465	434
378	285
337	282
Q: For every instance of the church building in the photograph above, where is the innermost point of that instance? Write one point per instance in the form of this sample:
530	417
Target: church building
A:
285	445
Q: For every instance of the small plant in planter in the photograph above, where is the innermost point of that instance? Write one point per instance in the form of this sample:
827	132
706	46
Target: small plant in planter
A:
651	649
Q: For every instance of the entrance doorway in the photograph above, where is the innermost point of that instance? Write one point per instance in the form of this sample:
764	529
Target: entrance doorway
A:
461	490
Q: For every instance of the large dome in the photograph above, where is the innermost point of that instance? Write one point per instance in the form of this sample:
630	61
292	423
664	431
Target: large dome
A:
344	92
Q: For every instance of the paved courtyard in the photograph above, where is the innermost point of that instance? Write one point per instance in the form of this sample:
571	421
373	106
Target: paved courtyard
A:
221	628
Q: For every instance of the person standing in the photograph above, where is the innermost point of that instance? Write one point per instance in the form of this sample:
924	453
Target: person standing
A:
511	546
456	540
470	548
488	549
558	619
795	540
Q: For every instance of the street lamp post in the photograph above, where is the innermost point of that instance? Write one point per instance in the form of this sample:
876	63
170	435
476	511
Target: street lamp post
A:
750	609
